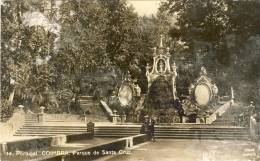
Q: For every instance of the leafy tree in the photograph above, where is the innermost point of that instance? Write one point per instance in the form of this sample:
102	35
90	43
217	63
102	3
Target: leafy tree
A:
25	49
218	34
82	41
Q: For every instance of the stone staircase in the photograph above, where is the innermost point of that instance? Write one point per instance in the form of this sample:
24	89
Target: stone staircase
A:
95	113
222	128
33	128
178	132
184	131
40	130
63	124
229	118
30	118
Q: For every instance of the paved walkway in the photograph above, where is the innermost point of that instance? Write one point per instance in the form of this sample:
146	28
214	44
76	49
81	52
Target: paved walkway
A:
189	150
18	138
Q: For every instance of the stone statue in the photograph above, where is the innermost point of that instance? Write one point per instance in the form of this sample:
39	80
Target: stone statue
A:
203	71
215	89
174	69
147	68
161	67
138	90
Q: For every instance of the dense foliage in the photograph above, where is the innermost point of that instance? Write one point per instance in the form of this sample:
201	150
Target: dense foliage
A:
48	47
224	36
43	61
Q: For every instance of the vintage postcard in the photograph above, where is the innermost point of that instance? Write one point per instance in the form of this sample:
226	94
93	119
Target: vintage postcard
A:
130	80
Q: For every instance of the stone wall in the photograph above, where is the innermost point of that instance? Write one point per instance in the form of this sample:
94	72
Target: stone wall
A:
113	147
38	143
14	123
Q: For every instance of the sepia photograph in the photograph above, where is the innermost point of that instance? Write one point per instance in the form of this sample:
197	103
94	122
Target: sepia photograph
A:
130	80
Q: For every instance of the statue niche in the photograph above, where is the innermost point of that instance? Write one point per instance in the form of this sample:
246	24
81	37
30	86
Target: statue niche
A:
161	66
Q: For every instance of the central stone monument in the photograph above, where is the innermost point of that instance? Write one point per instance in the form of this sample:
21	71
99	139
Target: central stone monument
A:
161	96
162	68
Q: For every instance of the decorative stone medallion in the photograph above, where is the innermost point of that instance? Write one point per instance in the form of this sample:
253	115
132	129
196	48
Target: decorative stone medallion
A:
202	94
203	90
125	94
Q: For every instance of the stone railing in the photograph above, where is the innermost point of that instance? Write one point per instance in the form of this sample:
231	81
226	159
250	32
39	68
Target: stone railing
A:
60	118
118	146
43	142
114	117
219	112
106	107
253	128
14	123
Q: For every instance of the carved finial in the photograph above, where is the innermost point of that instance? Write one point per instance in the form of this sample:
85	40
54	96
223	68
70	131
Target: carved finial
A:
232	95
168	50
203	71
174	68
154	50
147	67
161	41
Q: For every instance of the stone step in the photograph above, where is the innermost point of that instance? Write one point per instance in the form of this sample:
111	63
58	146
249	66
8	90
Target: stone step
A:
177	135
181	137
36	135
50	132
174	129
180	132
205	132
85	96
54	127
204	137
46	129
88	103
169	133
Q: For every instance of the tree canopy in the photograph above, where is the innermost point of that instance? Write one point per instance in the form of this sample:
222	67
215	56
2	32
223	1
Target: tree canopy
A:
220	35
48	46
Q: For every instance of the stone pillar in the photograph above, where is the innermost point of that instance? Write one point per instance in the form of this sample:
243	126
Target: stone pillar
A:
146	118
40	118
123	118
21	107
232	96
42	109
257	131
41	115
90	127
197	120
184	119
63	158
129	142
114	116
85	118
3	148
